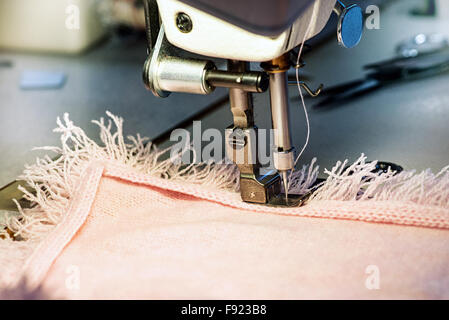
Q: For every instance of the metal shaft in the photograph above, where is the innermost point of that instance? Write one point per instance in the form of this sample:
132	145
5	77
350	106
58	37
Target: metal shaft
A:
247	81
279	111
241	101
242	111
283	154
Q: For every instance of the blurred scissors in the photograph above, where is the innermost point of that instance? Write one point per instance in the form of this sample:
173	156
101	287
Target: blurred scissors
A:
387	72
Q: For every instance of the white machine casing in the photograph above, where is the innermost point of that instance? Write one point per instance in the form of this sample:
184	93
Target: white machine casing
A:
217	38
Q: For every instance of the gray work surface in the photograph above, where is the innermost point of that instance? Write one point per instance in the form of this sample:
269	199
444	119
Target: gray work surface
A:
406	123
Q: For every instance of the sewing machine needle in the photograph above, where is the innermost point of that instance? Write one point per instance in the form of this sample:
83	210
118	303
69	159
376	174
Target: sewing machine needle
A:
284	177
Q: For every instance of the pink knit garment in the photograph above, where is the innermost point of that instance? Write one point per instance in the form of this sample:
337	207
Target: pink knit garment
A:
125	233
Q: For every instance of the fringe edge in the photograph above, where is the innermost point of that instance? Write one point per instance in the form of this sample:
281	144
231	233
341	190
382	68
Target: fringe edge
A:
54	180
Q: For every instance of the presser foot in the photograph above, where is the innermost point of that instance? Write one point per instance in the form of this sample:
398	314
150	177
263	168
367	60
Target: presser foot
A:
293	200
260	189
266	189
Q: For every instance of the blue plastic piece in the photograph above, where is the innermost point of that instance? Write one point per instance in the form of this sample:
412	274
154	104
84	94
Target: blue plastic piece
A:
351	26
38	80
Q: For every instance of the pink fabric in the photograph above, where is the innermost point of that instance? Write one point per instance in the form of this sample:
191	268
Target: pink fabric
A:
134	236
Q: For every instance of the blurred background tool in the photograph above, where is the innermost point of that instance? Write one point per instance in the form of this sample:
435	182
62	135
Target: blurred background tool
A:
422	44
388	72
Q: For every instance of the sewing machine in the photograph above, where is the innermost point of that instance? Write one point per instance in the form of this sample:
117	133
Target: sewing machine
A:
265	31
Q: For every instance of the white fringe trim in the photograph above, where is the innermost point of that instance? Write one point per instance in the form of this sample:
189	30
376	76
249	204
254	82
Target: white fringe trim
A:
54	181
358	182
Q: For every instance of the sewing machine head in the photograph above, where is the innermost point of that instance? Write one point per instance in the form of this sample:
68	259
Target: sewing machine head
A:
265	31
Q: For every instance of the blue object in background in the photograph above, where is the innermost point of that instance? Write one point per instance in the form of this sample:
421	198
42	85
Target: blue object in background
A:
350	26
40	80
